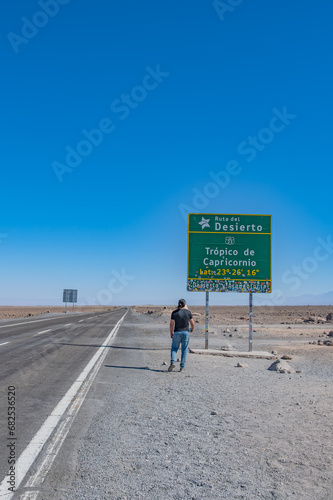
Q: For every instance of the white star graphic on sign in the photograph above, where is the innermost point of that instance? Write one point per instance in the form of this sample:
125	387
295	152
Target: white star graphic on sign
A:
204	223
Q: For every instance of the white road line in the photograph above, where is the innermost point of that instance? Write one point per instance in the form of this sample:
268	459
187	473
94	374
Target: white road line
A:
29	322
4	343
68	324
80	321
44	331
31	452
59	437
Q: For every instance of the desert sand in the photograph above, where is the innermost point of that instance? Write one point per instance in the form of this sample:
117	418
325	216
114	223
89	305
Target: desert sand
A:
280	443
12	312
304	332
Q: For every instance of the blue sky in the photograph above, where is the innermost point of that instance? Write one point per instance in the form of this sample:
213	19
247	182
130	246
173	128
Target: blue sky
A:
177	90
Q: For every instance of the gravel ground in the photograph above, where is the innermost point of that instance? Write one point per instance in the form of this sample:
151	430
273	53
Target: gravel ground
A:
214	431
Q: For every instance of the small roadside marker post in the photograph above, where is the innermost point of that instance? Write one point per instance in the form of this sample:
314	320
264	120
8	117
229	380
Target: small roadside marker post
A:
250	320
207	320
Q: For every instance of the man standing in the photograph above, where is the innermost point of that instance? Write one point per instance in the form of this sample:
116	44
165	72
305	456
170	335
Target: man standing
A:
181	320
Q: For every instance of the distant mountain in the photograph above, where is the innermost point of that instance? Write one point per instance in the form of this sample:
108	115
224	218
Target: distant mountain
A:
324	299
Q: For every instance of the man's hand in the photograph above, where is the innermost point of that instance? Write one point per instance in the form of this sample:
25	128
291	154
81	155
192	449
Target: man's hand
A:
172	326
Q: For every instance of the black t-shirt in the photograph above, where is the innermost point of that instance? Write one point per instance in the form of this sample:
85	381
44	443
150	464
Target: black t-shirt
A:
182	320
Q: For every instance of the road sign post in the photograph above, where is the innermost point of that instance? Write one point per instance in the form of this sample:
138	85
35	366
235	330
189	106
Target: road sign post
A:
250	320
229	253
207	320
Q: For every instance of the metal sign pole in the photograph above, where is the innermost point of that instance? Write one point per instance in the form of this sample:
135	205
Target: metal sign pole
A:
250	320
207	320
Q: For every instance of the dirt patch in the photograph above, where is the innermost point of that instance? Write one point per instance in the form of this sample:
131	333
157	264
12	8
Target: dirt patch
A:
12	312
288	315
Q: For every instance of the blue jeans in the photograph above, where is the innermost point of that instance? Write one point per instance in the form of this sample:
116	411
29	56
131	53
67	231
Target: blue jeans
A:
180	338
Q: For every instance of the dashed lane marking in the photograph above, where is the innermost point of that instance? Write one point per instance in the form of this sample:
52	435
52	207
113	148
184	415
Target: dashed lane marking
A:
4	343
40	333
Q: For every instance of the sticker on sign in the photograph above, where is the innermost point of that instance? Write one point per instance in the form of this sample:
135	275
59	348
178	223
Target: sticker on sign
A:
229	253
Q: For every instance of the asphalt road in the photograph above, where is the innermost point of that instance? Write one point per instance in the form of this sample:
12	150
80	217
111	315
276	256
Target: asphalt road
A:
41	358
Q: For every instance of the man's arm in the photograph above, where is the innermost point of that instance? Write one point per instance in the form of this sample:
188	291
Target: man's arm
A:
172	327
192	323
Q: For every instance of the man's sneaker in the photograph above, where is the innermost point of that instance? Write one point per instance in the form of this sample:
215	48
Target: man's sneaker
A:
171	367
182	369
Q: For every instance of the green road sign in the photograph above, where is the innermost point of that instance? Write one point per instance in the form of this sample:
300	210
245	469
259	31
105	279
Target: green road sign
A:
229	253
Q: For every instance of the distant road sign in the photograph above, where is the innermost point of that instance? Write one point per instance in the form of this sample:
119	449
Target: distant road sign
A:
69	295
229	253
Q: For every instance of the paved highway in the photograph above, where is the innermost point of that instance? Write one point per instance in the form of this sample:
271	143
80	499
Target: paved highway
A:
42	358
